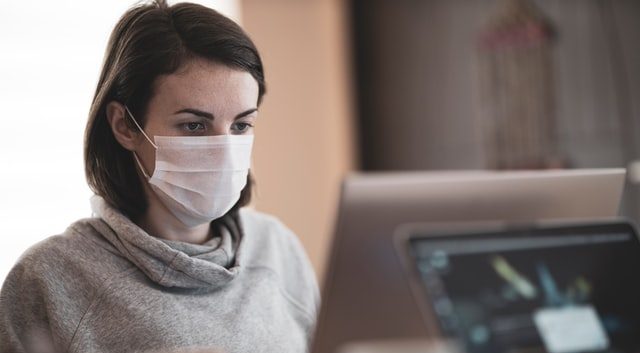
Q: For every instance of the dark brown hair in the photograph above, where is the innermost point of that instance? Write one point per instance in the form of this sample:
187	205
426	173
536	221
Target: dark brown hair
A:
150	40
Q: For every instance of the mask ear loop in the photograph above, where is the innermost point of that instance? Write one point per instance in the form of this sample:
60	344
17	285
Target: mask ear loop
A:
135	156
140	128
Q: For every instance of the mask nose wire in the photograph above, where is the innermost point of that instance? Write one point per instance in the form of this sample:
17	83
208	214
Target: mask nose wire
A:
135	155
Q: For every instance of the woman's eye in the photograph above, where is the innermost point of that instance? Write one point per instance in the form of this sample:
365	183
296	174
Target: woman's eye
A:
193	127
242	126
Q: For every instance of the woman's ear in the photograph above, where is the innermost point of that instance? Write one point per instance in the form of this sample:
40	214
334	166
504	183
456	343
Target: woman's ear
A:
116	116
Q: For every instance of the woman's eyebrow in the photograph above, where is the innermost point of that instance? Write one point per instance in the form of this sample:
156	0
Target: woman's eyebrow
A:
196	112
243	114
210	116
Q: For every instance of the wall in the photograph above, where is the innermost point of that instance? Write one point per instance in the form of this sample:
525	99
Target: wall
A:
419	90
304	134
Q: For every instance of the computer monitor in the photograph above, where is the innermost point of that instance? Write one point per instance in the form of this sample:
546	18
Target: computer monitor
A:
365	294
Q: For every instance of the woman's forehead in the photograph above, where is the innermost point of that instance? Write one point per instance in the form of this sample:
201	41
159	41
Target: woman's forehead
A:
206	84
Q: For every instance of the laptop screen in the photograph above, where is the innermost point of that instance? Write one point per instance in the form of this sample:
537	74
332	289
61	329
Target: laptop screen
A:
560	290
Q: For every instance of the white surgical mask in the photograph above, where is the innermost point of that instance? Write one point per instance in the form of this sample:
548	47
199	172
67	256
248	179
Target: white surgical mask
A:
198	178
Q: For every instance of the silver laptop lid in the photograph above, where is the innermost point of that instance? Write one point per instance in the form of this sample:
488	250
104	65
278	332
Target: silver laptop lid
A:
365	293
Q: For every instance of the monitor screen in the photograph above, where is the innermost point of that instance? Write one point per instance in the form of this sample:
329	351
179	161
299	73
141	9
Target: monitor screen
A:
560	290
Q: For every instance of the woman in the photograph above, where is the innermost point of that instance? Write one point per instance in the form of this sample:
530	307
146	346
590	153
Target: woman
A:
171	261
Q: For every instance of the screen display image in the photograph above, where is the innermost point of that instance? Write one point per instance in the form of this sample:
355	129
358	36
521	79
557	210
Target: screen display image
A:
557	291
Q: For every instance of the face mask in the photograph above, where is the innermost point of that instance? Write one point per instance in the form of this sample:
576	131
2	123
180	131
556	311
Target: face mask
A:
198	178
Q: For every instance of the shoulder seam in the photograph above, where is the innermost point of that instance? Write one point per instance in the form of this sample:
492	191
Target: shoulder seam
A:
99	294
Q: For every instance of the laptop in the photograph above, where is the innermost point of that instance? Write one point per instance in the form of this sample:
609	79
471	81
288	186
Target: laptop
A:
557	289
365	294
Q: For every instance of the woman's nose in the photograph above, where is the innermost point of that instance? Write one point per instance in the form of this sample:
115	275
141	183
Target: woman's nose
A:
220	129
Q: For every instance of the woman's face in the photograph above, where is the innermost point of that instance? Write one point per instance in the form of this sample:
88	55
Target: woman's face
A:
203	98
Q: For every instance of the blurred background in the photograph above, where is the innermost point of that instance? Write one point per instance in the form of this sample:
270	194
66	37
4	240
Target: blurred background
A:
372	85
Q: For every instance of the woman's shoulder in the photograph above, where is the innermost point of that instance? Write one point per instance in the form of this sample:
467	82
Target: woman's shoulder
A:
252	217
62	255
43	269
265	230
43	256
276	247
53	283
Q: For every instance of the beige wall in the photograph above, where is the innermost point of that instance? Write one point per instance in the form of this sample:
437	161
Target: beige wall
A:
304	141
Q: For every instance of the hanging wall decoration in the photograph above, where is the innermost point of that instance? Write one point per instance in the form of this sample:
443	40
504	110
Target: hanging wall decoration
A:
516	89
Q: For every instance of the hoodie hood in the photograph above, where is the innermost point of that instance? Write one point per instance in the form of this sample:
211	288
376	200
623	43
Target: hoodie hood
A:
172	263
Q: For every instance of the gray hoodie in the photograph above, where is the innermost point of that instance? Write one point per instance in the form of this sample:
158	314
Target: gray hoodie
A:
105	285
